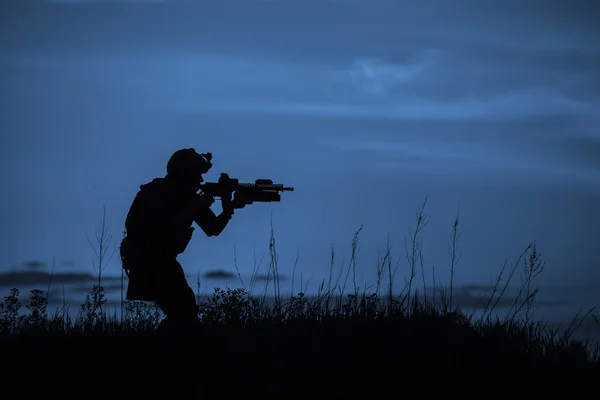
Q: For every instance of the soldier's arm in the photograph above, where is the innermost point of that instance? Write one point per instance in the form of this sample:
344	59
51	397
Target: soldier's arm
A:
210	223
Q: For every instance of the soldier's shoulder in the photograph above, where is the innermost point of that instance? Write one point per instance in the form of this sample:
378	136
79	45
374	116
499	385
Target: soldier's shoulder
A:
154	184
156	187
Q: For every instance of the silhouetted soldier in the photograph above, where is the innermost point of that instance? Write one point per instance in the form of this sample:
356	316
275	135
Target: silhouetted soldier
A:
159	228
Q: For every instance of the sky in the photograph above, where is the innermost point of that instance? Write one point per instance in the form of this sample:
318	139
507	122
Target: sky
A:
364	107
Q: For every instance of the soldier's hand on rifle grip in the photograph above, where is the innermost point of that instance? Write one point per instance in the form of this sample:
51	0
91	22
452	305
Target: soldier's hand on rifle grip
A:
227	204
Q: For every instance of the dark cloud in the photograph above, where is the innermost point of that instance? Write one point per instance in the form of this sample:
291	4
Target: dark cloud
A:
29	278
34	264
218	274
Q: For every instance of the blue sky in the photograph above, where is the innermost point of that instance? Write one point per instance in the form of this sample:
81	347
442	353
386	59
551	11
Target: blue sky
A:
364	107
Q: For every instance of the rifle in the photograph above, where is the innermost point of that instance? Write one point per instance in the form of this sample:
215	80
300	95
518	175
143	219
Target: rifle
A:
262	190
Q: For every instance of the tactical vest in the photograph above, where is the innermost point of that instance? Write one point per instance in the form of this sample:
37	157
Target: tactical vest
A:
155	222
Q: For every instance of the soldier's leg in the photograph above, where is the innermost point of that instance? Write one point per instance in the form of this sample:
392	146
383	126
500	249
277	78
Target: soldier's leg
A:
177	300
179	332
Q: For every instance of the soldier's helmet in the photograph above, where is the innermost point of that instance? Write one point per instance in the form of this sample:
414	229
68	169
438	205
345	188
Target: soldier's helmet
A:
188	164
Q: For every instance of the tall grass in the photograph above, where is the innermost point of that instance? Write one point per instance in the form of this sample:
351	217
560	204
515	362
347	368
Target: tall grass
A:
342	324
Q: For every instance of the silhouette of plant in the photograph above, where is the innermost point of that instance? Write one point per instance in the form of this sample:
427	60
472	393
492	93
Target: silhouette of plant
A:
9	312
231	306
92	315
37	305
141	315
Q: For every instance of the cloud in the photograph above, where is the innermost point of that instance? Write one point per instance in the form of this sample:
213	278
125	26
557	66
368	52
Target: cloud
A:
513	105
378	75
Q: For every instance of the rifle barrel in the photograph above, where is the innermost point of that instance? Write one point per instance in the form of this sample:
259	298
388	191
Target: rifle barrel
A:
277	187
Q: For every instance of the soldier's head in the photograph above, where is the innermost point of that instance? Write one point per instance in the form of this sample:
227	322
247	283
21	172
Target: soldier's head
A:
186	167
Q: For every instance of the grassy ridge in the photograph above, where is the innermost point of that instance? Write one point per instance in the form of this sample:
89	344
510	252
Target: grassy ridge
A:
343	334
